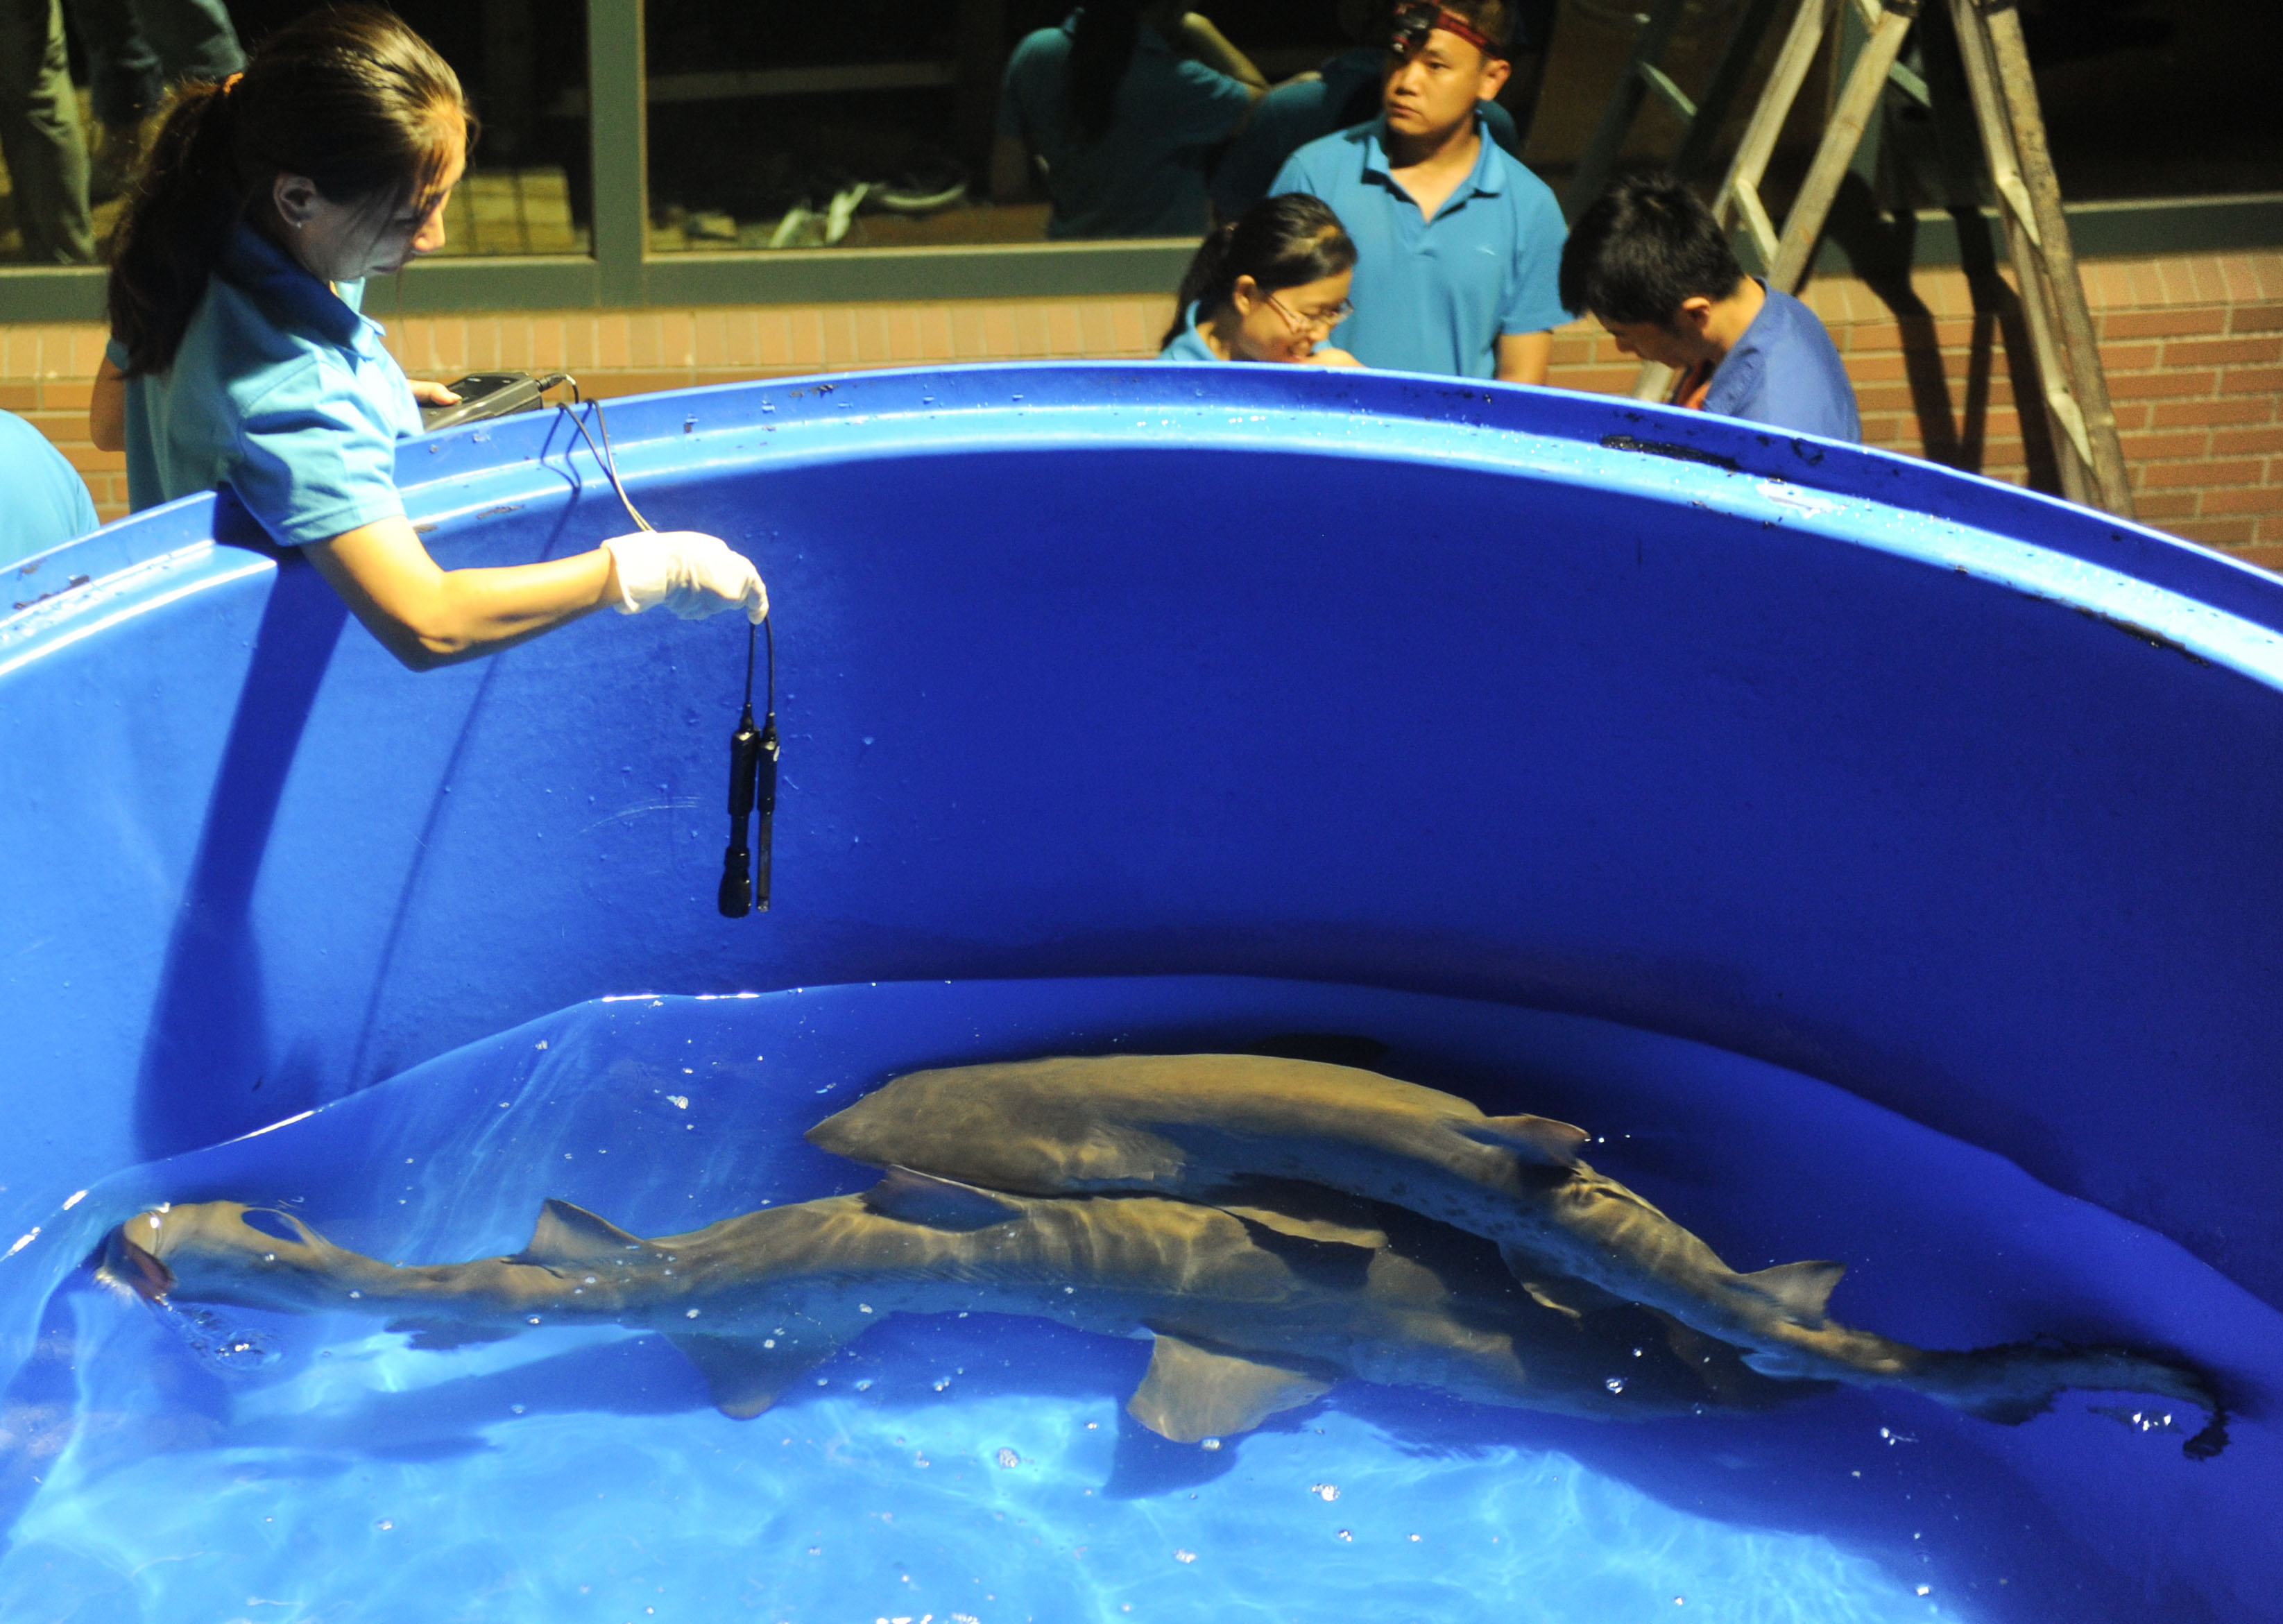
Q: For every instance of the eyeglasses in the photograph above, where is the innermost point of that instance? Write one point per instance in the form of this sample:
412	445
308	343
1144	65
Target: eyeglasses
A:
1326	319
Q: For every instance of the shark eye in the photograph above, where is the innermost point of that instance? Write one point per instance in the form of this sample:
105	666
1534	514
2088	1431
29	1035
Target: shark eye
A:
267	1222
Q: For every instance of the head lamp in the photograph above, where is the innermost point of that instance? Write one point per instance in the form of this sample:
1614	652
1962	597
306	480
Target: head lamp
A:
1414	20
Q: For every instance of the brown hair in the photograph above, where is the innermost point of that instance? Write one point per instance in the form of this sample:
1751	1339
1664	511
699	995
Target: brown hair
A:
349	97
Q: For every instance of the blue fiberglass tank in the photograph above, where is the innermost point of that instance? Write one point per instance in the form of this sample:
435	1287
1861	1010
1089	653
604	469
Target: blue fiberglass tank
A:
1794	817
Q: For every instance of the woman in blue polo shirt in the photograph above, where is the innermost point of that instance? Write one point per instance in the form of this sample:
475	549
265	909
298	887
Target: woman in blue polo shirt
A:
239	357
1268	287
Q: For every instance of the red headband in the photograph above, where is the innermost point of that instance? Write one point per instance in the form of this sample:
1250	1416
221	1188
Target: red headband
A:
1409	36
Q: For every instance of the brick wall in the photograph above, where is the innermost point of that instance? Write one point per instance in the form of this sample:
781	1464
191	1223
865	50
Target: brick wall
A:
2194	347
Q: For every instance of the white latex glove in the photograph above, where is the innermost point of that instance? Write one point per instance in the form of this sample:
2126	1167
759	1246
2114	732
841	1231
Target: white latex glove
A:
692	574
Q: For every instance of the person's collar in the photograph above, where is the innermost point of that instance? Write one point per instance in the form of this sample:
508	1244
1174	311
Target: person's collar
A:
275	280
1487	176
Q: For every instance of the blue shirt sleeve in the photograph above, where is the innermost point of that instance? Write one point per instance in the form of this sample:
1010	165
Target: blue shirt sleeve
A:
1208	105
1296	176
1533	302
314	458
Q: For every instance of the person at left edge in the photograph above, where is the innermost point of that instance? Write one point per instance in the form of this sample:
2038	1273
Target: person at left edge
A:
47	503
1458	247
238	355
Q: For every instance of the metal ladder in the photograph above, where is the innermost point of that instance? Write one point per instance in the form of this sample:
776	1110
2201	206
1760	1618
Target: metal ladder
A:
2013	132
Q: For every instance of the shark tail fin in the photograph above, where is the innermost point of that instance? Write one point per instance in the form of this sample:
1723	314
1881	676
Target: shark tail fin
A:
1802	1290
568	1234
938	1203
1192	1393
1535	1139
745	1376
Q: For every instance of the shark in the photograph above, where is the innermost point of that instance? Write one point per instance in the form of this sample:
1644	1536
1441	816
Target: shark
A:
1212	1128
1251	1310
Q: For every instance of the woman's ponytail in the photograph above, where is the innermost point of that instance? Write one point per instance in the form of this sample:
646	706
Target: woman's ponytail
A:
1202	276
1283	241
176	223
347	96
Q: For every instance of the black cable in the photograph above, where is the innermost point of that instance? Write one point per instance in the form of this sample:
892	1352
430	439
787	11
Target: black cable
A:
752	751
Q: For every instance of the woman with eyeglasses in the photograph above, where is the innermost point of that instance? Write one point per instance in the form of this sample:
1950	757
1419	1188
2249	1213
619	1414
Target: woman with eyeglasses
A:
1270	286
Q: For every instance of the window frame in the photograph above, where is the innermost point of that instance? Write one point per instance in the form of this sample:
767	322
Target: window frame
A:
621	273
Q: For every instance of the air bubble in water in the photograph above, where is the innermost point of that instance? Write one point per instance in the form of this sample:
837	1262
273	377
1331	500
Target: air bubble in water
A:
1185	1556
1615	1384
1008	1458
864	1382
1209	1443
1325	1491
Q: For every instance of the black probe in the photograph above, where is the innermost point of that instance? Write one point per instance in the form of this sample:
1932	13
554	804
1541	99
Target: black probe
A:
752	788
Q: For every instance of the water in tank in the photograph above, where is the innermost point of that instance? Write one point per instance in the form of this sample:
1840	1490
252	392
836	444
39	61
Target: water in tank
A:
1872	863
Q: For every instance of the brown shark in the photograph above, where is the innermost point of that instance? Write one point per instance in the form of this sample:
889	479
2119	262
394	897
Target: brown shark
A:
1252	1309
1210	1127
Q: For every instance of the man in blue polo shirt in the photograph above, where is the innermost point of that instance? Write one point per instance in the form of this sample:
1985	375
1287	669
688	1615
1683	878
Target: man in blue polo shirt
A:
1458	247
46	503
1344	91
1651	263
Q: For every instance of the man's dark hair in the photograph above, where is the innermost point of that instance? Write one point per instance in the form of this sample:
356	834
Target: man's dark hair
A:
1493	19
1647	246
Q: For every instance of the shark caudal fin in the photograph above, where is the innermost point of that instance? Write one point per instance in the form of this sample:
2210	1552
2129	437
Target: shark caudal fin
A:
938	1203
744	1374
568	1234
1802	1290
1192	1393
1540	1140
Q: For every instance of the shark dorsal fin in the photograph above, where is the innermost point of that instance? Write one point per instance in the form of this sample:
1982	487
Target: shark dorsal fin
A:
1192	1393
746	1377
568	1234
938	1203
1537	1139
1802	1290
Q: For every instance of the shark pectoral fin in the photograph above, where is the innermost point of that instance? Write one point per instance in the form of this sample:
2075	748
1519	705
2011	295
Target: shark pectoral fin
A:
436	1335
1330	1231
568	1234
123	1263
1536	1139
1192	1393
938	1203
1802	1290
1566	1295
745	1378
1549	1288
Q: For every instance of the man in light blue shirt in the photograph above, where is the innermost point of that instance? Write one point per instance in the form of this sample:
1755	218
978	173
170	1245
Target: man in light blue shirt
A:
1458	245
1652	264
1343	92
1140	172
45	501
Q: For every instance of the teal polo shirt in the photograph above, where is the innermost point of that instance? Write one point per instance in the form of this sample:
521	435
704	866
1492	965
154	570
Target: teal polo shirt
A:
1146	176
47	503
1188	344
281	391
1435	295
